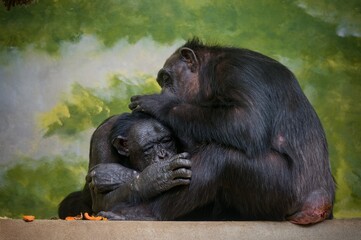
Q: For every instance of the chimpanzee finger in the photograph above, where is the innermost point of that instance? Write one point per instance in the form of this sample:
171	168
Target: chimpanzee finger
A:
183	155
182	173
88	178
90	175
133	105
179	163
134	98
178	182
138	109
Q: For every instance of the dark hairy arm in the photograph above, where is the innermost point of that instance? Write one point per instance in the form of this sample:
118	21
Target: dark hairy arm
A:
113	183
224	123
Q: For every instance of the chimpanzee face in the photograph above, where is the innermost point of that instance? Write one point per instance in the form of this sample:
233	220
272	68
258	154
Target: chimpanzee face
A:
179	74
149	142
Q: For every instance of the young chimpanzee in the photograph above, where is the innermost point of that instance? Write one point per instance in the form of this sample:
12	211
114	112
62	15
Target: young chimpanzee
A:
257	144
132	158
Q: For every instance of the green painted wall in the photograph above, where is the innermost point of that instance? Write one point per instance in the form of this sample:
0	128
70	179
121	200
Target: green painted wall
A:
67	65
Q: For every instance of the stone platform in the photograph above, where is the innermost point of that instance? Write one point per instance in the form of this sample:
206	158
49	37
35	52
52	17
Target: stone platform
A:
141	230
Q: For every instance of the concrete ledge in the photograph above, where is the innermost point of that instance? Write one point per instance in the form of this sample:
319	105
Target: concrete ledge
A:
139	230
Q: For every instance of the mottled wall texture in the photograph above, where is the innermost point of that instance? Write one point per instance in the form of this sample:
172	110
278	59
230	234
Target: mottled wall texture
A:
67	65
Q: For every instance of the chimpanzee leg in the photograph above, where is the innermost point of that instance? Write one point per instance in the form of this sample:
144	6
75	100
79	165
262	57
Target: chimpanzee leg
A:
259	188
316	208
76	203
125	211
273	188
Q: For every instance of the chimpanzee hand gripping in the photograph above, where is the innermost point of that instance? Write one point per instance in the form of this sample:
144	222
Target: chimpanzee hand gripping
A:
257	145
132	159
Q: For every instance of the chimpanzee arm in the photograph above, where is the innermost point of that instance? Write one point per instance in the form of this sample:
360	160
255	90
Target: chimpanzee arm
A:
225	123
113	184
106	177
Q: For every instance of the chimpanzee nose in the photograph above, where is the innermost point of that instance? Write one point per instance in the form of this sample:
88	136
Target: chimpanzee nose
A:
162	153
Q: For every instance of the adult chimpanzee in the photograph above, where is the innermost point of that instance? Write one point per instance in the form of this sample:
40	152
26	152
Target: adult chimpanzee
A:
257	144
132	158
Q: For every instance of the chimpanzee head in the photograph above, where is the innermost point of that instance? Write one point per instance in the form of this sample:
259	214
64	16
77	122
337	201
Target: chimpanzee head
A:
148	141
180	73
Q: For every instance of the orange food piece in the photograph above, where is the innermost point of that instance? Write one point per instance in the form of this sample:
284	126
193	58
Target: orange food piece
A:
72	218
86	216
94	218
28	218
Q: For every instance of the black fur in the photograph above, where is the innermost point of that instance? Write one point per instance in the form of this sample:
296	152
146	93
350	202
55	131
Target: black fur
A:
132	158
257	144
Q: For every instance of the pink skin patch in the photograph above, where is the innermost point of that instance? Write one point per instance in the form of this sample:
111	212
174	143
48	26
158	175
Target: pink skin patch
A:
316	209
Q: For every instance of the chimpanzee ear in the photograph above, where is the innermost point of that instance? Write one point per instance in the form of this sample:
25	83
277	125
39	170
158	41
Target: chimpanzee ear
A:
189	57
121	144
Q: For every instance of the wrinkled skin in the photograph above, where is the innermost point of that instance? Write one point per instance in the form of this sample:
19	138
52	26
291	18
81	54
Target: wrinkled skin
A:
149	142
257	145
114	189
128	170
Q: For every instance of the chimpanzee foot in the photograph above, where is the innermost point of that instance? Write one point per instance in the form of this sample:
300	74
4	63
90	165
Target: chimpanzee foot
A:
316	208
134	216
111	216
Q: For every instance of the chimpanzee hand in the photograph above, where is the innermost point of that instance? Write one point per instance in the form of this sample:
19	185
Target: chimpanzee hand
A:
162	176
152	104
106	177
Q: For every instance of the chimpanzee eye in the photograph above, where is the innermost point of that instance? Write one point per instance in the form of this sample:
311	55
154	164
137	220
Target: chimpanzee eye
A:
148	149
166	140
